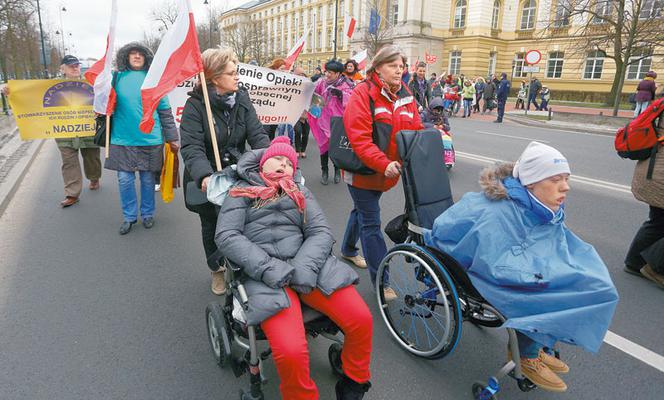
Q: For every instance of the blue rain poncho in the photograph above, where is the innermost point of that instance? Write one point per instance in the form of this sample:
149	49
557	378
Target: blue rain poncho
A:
523	259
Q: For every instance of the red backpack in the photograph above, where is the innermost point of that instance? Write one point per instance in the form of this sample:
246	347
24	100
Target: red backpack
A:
639	138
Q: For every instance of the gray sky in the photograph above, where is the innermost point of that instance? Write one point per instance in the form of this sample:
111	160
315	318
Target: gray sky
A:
88	21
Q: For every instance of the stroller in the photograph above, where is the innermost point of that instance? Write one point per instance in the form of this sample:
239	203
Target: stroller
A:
435	117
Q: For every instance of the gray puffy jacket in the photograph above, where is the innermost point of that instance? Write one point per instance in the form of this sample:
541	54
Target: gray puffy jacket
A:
275	245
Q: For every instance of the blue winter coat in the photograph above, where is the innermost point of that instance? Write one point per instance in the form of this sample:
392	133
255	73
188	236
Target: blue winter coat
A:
503	89
524	260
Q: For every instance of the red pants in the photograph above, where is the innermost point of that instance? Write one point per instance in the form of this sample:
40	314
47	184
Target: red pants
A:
285	333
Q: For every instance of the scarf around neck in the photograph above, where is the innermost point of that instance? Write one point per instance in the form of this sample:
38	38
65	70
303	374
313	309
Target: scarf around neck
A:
277	184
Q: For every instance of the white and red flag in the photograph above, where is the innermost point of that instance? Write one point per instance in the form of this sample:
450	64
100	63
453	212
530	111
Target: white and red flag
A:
430	58
100	75
178	59
361	59
296	50
349	25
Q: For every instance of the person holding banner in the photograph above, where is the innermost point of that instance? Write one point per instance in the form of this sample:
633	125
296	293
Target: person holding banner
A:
70	68
130	149
235	123
335	90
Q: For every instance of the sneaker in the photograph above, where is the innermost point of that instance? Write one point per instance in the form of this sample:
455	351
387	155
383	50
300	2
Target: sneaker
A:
357	260
218	283
157	188
555	364
126	227
541	375
389	294
650	273
148	222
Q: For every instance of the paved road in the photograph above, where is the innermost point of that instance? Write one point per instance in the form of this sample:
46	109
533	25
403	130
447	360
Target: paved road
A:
125	318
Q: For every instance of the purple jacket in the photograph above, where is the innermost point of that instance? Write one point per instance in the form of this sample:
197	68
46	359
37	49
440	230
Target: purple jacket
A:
334	107
646	90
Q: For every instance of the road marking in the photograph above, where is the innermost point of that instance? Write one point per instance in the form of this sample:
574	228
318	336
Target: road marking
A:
637	351
512	137
574	178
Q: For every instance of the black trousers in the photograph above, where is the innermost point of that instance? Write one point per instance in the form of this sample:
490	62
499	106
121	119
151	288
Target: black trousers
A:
208	213
501	109
301	136
325	161
648	244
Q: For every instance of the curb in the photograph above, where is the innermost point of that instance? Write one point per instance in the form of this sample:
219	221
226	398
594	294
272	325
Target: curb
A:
22	168
530	122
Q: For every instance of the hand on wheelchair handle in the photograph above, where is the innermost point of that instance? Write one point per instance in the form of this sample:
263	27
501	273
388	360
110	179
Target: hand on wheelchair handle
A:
393	169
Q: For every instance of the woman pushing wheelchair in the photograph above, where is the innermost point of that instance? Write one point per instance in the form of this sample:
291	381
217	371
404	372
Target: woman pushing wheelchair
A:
523	259
275	231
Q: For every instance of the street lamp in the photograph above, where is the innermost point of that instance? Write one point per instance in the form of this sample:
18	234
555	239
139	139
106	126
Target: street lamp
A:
41	34
211	20
62	30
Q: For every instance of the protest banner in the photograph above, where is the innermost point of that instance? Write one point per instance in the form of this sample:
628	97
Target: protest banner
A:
52	108
278	97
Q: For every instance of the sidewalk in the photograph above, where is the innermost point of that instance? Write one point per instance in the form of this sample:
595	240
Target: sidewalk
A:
15	158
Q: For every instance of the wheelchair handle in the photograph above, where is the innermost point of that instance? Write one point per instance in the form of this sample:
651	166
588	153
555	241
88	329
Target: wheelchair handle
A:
244	299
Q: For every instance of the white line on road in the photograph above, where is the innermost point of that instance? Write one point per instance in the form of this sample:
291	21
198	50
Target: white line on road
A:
512	137
637	351
575	178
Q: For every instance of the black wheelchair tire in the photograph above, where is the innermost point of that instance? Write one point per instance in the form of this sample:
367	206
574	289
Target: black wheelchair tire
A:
218	334
334	357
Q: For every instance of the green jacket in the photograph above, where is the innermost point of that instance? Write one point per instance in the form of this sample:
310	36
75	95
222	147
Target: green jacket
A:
77	142
468	92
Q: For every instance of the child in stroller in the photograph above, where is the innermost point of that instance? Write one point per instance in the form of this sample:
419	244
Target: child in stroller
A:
451	99
435	117
275	232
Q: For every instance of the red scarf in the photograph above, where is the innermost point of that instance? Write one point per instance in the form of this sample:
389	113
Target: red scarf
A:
277	184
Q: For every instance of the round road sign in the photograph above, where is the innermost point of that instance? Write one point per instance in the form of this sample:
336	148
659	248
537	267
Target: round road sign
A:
533	57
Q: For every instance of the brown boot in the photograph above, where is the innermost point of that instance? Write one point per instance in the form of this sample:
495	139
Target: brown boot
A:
541	375
650	273
555	364
218	283
68	201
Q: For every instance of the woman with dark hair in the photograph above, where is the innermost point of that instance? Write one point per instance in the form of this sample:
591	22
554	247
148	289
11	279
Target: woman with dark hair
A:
351	71
235	124
335	90
132	150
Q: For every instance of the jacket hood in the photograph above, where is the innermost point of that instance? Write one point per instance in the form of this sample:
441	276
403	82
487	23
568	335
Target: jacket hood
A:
247	166
122	56
491	180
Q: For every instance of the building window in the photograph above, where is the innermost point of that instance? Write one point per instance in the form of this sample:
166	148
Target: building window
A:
651	9
460	14
319	40
554	66
563	10
528	13
517	65
639	66
496	14
492	62
394	12
602	9
455	63
594	65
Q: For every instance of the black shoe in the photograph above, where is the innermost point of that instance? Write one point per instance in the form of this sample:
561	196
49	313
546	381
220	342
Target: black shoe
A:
148	222
126	227
324	178
634	272
498	121
348	389
337	175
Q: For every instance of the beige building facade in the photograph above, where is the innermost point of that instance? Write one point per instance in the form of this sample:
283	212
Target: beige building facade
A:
473	37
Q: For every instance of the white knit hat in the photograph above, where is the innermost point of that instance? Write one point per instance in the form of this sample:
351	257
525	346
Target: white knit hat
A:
538	162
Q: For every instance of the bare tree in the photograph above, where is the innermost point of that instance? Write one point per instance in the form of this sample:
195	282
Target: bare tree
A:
383	34
164	14
626	31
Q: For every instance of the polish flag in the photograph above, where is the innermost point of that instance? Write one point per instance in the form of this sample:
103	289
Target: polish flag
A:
178	59
430	58
100	75
349	25
295	51
361	59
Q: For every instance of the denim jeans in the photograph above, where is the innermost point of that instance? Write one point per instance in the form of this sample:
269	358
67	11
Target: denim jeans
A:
501	110
364	224
544	105
640	107
528	348
533	100
467	107
128	199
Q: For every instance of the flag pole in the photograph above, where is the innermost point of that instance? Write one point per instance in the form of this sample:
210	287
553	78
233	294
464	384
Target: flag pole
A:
208	111
108	133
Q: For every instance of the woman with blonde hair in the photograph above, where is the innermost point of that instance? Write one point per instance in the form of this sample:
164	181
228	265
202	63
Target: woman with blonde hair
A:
235	125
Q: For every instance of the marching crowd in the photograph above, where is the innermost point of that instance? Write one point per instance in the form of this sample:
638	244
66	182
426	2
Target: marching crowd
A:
272	225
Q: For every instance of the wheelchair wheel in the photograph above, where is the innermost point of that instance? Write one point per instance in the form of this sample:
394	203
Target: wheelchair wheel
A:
480	394
425	318
218	334
334	356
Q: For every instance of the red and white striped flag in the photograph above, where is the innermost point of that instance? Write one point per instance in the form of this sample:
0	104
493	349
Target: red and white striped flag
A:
178	59
349	25
361	59
430	58
296	50
100	75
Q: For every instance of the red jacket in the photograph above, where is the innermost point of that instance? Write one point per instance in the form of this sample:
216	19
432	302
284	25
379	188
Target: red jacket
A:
391	116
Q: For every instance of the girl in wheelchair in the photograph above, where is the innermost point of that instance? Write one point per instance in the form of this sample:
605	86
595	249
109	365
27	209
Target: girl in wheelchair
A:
522	258
276	232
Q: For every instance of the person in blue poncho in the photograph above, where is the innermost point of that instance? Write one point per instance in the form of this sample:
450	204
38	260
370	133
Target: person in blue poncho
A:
512	241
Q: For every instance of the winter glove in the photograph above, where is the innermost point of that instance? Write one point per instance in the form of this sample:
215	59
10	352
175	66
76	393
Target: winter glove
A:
302	289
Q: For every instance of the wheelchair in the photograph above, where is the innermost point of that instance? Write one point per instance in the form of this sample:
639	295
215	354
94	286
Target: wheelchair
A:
435	295
234	343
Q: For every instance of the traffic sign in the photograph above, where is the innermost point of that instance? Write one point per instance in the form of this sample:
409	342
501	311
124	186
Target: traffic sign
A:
533	57
531	68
